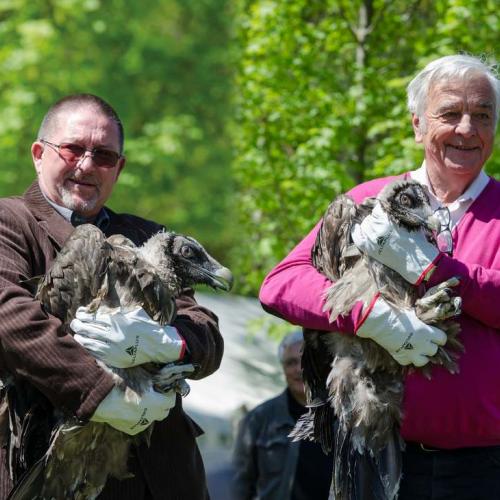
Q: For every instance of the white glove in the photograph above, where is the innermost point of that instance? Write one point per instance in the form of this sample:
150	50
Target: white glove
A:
132	413
407	339
410	254
127	339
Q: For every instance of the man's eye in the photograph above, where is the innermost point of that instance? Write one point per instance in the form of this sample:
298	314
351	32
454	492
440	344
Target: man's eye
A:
106	156
73	149
451	115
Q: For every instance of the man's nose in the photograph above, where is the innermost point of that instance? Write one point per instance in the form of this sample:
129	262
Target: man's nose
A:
465	126
86	161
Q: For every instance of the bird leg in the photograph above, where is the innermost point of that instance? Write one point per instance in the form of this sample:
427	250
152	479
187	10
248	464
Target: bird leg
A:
439	303
172	376
436	307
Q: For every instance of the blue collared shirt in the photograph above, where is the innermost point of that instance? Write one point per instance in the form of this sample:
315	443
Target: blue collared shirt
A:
101	220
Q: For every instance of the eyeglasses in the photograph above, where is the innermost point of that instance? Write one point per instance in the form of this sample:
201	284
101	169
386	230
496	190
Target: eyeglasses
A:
444	238
73	153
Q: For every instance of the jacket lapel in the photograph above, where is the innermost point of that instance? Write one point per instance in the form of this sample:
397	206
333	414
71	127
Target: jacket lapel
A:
49	220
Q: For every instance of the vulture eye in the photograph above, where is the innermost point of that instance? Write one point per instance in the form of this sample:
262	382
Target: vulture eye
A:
187	251
405	200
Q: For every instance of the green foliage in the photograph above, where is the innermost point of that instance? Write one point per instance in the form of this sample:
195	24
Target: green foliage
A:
165	68
321	104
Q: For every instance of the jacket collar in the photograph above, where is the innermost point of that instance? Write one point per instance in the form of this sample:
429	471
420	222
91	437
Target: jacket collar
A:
282	417
48	218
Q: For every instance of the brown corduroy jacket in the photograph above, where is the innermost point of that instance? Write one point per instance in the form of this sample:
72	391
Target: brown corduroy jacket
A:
36	350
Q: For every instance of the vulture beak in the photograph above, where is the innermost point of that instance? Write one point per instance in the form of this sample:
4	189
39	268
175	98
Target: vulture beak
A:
222	278
433	224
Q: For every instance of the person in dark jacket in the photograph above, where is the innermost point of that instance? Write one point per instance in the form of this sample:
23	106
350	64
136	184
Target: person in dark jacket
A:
78	158
268	464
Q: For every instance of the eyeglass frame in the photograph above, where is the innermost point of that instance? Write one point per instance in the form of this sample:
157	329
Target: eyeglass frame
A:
445	229
92	152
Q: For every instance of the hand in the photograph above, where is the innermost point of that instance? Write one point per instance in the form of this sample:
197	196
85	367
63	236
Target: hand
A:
130	412
410	254
407	339
127	339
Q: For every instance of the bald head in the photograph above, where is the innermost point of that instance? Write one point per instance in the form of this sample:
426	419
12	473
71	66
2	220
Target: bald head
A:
72	103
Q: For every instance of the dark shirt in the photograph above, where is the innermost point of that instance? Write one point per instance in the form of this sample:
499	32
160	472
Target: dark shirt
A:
314	469
101	220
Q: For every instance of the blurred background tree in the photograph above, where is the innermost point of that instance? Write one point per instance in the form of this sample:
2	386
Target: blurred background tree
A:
321	104
244	118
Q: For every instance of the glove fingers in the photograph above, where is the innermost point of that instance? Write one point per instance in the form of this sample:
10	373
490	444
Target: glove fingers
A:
437	336
96	347
430	349
420	360
162	403
96	318
91	331
138	314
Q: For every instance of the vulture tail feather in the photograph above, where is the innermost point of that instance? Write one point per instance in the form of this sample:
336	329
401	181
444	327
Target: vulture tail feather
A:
324	418
30	484
304	427
365	475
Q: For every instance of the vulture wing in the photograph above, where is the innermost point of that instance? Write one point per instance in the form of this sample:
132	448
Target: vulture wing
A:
92	271
333	247
77	274
133	281
332	254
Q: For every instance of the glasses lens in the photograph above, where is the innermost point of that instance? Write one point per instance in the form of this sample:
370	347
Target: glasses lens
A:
445	241
105	157
71	152
443	214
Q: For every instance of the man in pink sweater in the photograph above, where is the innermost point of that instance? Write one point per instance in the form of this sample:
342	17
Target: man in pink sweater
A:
451	423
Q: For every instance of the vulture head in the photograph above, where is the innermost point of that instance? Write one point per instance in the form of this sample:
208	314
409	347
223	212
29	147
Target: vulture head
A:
407	203
176	255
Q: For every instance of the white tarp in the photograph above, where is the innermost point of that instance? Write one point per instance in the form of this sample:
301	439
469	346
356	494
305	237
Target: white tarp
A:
249	374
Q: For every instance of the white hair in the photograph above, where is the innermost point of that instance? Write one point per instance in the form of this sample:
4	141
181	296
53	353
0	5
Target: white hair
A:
288	340
447	68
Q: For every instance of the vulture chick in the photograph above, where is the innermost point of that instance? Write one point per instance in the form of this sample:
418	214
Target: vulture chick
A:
354	386
108	274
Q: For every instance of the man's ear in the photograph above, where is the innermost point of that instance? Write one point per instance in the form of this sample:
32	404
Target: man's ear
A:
121	164
36	154
417	128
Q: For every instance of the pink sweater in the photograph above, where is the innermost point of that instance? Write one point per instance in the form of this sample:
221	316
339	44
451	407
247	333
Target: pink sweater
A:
449	411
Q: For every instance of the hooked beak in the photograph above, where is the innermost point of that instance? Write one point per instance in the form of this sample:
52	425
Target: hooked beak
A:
222	278
433	224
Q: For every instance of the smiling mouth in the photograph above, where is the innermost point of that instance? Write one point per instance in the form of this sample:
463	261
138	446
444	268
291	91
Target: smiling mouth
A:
81	183
463	148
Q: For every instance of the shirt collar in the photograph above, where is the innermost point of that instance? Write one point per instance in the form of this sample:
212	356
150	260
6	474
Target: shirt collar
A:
470	194
101	220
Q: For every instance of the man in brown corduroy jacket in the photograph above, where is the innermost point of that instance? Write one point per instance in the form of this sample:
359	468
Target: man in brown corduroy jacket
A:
78	159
